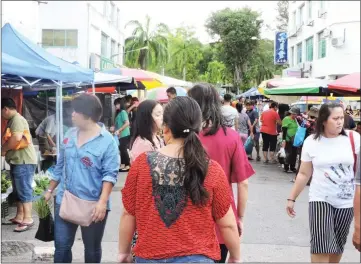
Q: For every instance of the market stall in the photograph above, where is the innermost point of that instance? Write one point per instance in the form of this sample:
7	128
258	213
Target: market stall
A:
26	64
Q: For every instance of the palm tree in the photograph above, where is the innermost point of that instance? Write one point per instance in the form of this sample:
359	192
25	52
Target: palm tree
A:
184	45
154	39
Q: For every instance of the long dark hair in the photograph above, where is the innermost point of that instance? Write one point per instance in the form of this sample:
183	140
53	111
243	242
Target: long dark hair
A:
183	117
208	99
323	115
121	102
143	125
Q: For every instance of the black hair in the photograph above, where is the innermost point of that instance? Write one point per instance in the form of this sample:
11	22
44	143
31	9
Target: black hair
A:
135	99
273	105
8	103
171	90
89	105
128	98
323	115
227	97
208	99
249	102
121	102
239	107
144	123
183	117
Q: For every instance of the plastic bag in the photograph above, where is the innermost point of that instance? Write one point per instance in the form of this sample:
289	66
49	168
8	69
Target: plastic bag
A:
46	229
116	140
299	137
281	153
248	146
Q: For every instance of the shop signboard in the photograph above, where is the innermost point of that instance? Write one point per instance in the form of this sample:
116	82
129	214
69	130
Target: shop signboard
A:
281	48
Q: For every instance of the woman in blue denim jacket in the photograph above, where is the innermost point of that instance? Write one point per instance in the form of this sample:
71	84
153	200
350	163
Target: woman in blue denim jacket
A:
90	159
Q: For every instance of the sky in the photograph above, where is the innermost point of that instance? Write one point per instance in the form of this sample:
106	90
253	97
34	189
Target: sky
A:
191	13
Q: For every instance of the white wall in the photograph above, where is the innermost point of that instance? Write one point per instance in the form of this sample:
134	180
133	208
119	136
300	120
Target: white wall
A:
340	16
67	15
23	16
86	17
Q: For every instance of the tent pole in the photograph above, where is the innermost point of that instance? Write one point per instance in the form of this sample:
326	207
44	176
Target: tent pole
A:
61	111
57	121
93	86
46	103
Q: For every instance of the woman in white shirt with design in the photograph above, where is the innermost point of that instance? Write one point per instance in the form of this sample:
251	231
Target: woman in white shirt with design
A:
329	157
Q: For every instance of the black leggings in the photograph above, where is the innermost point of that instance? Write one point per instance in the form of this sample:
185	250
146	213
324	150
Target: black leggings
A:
269	142
291	156
224	252
123	148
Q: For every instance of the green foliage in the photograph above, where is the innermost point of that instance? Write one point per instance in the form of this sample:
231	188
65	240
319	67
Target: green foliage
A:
186	53
41	207
236	28
236	58
144	36
5	183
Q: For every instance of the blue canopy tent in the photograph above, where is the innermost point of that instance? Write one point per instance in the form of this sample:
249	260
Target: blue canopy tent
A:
252	93
25	64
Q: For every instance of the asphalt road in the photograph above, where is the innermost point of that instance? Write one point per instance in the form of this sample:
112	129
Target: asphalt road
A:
269	234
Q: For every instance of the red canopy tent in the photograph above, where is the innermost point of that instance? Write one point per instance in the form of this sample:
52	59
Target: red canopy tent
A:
348	85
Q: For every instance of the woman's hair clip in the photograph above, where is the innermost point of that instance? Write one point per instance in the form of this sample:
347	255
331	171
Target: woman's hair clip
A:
186	131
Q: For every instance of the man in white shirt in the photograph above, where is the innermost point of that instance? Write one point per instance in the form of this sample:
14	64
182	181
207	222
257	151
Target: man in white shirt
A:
46	133
229	113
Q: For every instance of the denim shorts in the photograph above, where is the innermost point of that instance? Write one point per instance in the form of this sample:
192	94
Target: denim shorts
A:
22	177
183	259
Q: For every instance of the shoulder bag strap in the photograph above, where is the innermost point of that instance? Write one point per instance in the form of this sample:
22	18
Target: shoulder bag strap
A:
353	150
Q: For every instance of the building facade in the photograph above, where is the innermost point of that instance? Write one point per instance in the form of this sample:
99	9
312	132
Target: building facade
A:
87	32
24	19
324	38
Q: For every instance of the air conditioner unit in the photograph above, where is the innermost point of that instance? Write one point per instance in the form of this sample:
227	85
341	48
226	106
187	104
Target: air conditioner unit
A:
307	67
310	23
326	33
337	42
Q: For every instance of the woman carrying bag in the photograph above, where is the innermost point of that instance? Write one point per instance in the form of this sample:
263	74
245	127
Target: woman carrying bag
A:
329	157
86	171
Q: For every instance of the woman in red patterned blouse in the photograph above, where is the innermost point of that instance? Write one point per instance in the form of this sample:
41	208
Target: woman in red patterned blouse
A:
174	197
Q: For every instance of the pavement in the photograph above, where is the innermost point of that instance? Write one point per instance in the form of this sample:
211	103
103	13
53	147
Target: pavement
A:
269	234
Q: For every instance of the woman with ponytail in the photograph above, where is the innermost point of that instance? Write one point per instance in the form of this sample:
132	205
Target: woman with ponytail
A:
175	196
223	145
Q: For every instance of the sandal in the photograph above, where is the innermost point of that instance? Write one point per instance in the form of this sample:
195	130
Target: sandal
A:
23	227
14	221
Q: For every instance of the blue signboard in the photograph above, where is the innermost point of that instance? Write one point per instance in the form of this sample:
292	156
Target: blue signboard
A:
281	49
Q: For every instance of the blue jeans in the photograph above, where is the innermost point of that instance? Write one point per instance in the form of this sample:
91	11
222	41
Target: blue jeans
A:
22	176
65	236
183	259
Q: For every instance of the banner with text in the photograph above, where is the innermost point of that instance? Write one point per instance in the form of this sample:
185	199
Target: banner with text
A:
281	49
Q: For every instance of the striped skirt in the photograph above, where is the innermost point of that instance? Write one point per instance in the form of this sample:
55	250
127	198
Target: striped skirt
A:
329	227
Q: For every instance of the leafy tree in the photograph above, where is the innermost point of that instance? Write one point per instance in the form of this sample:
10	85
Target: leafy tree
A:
215	74
282	17
153	41
186	52
236	30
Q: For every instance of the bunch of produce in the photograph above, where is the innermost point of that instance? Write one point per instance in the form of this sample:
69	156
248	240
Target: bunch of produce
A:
42	182
5	183
40	206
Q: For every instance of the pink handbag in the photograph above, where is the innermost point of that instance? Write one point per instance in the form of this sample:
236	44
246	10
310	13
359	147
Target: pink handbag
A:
76	210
